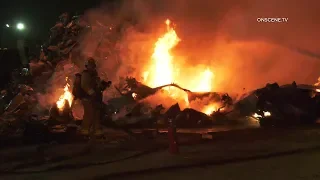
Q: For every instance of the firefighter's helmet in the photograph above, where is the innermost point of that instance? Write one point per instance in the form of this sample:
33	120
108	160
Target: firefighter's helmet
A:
90	62
24	72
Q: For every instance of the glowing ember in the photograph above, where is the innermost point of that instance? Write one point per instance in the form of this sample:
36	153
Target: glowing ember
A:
266	113
134	95
208	110
256	115
67	95
163	71
317	84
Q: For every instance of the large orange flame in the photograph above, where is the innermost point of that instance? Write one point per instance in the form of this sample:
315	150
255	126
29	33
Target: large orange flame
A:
67	95
162	69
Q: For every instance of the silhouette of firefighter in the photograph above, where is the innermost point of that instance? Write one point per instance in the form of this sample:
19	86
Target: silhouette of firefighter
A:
88	87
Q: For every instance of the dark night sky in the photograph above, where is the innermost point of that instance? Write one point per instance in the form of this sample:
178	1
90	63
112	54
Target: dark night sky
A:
38	16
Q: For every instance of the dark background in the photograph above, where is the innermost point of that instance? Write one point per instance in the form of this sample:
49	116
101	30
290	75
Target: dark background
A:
38	16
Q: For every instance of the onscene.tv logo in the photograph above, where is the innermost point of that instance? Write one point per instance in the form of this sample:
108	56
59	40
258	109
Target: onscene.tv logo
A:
272	20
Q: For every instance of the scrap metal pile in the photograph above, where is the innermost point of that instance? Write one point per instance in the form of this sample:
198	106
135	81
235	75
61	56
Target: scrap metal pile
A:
22	114
272	105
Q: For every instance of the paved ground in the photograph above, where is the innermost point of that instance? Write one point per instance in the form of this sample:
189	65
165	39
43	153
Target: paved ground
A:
304	166
251	154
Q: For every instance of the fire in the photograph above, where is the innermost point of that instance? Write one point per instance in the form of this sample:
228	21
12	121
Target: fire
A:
208	110
317	84
67	95
163	69
205	84
265	114
256	115
134	95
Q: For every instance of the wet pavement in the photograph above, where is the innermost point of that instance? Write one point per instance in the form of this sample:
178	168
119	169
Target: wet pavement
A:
294	167
225	148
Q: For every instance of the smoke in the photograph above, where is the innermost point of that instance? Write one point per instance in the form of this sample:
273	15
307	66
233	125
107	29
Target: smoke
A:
54	87
163	99
222	35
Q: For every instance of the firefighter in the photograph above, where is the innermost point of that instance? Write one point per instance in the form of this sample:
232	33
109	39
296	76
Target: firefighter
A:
92	100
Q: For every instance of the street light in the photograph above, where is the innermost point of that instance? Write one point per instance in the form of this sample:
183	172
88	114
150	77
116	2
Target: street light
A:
7	25
20	26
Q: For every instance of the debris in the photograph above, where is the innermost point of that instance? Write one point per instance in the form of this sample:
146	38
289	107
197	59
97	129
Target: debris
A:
141	91
63	116
272	105
173	111
284	105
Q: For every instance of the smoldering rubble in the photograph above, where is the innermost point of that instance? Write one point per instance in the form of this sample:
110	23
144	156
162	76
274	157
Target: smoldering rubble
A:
29	103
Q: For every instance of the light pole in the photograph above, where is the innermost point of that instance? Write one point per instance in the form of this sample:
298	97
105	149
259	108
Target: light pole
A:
16	31
21	43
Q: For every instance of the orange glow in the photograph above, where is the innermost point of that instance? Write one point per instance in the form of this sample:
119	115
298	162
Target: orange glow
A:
134	95
317	84
67	95
162	71
165	70
208	110
205	83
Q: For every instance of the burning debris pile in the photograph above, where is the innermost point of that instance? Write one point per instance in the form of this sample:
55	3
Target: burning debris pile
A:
192	102
284	105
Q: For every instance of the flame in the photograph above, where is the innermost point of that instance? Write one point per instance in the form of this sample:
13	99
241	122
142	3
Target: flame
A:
256	115
205	84
134	95
67	95
208	110
164	71
266	113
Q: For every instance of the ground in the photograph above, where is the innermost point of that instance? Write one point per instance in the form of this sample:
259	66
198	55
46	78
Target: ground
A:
290	153
294	167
